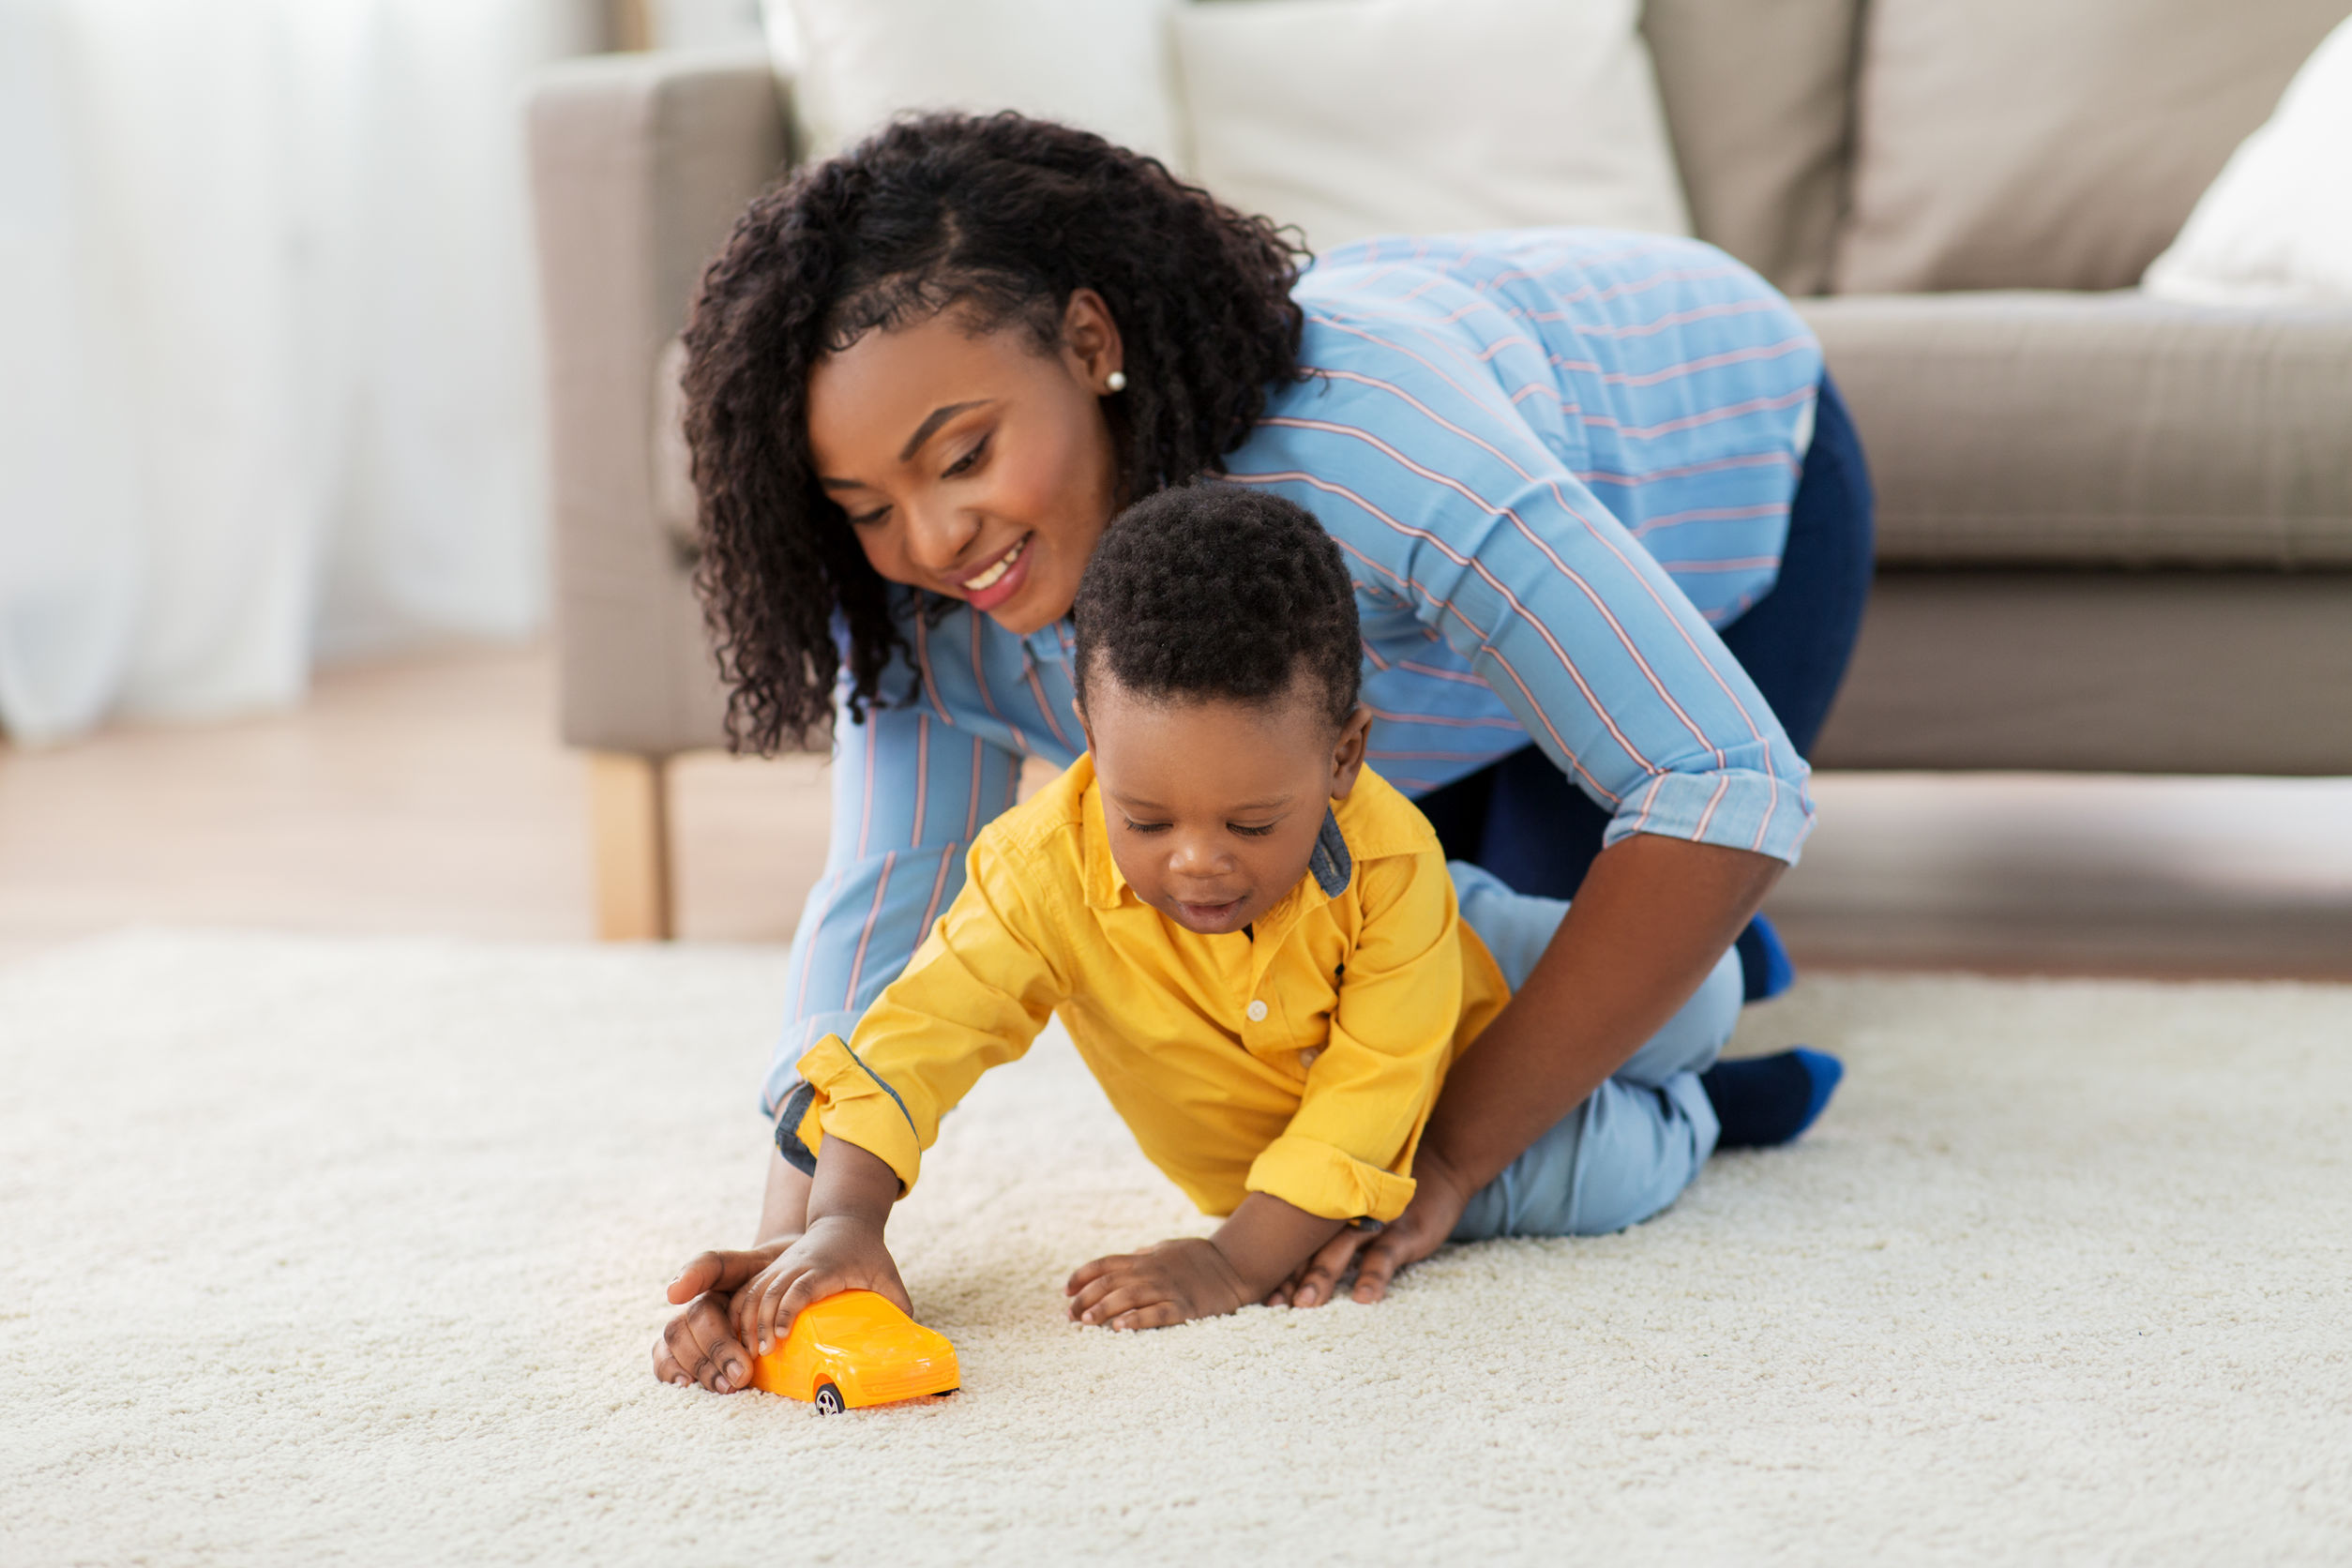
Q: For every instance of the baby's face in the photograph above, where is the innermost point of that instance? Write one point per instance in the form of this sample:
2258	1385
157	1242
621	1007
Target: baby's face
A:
1213	807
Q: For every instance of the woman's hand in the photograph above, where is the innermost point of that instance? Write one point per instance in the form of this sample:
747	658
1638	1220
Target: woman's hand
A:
1171	1283
839	1252
1437	1205
696	1345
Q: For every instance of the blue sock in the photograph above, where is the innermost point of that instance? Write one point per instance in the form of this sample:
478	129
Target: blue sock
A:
1765	970
1765	1100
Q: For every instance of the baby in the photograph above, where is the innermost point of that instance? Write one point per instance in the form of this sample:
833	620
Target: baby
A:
1255	941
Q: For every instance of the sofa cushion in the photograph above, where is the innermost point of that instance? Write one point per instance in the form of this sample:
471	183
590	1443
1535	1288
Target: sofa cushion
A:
1352	118
1101	64
1759	99
2017	143
2121	671
2099	430
2277	223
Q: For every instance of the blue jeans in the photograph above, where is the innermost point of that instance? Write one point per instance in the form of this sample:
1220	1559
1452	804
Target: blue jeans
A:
1521	818
1630	1149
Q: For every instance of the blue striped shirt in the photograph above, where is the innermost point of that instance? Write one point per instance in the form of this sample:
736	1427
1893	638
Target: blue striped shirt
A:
1554	460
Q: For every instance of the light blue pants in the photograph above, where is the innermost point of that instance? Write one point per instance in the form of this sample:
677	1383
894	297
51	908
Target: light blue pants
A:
1630	1149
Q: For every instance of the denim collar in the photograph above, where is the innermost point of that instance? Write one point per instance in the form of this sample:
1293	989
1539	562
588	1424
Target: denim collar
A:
1330	864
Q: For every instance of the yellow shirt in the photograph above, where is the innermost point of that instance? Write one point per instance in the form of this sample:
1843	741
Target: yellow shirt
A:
1300	1059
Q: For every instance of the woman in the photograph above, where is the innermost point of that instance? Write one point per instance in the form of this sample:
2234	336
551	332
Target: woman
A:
1608	523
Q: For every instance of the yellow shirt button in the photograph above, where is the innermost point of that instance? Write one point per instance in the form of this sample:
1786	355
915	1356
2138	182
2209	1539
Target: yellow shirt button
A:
1258	1012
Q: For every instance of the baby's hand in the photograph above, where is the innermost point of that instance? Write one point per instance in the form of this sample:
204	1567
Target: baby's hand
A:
1171	1283
837	1253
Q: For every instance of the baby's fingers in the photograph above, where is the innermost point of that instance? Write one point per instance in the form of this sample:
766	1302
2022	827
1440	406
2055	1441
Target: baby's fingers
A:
753	1310
1097	1287
1131	1296
770	1317
803	1291
1159	1315
1087	1274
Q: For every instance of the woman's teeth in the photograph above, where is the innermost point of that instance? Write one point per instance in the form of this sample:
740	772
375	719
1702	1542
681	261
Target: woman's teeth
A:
1004	564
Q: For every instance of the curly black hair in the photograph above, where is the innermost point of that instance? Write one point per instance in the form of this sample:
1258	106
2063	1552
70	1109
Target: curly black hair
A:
1001	218
1217	591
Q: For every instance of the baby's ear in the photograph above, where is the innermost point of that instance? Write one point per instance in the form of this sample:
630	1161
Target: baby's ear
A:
1346	758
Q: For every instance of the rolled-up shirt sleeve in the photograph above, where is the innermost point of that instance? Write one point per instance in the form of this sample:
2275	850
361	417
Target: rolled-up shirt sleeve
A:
973	996
1348	1148
1459	524
1615	675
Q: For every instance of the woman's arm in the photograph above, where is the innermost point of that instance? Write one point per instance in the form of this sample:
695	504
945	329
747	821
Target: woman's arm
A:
910	795
1652	919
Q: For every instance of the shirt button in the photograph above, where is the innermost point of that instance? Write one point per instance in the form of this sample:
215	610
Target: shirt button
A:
1258	1012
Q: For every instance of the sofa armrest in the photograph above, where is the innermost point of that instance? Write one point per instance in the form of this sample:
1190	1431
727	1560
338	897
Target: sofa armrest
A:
640	164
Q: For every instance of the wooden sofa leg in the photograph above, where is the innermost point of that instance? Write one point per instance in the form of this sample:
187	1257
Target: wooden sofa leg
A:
628	808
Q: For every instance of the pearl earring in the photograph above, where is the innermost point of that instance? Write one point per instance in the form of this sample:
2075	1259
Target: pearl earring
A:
1116	381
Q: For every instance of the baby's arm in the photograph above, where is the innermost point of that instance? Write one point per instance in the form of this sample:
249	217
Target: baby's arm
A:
1265	1242
975	994
842	1249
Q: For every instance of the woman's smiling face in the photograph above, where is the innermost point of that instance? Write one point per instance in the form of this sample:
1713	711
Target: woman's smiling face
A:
973	464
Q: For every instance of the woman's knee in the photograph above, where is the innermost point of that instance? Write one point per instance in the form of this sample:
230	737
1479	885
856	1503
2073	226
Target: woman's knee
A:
1515	927
1620	1158
1697	1032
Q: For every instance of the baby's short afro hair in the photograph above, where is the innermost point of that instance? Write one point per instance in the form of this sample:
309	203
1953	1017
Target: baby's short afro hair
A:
1214	591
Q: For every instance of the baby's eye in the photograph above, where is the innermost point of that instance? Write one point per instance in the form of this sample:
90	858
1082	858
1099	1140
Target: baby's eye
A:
1146	827
1248	831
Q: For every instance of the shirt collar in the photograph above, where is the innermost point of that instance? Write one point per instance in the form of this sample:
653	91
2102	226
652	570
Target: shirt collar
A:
1330	864
1104	885
1052	642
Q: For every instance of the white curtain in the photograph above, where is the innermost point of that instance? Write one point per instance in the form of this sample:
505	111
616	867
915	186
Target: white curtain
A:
269	343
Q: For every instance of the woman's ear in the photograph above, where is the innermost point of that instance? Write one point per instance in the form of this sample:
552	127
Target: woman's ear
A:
1347	757
1090	339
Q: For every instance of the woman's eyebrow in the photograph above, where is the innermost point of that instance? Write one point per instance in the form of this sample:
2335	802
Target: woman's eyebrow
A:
923	432
929	427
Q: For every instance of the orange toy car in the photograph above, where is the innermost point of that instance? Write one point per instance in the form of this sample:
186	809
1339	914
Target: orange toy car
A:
853	1349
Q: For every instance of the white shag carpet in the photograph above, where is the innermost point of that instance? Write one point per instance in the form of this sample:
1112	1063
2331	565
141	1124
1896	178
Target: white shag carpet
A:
339	1251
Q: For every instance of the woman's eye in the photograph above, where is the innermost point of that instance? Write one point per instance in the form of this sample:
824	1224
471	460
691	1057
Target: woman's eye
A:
964	463
868	519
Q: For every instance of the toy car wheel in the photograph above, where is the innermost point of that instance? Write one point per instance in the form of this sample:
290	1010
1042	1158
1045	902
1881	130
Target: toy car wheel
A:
829	1400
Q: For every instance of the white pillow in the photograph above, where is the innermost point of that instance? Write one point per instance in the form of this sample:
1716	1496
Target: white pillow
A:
1358	118
2276	224
1100	64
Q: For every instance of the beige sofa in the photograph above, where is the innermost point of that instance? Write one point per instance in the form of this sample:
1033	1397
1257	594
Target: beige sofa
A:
2115	533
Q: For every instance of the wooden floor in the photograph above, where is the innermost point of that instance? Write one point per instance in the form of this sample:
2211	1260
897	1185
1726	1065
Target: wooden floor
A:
430	795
